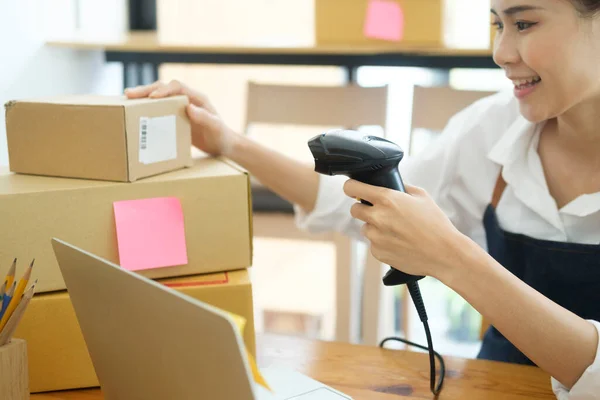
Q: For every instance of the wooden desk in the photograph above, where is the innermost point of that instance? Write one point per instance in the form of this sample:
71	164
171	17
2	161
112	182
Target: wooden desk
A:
145	48
370	373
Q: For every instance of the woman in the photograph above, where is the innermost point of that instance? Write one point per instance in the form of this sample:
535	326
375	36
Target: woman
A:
517	174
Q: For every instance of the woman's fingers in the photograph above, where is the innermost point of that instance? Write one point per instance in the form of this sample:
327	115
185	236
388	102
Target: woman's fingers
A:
172	88
362	212
362	191
142	91
415	190
159	90
376	194
201	117
156	90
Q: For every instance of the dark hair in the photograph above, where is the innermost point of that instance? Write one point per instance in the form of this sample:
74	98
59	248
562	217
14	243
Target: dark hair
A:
587	7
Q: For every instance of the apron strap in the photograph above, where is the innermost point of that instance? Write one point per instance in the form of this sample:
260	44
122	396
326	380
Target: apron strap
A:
498	190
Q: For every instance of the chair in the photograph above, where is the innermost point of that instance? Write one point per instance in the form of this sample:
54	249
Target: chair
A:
432	108
332	106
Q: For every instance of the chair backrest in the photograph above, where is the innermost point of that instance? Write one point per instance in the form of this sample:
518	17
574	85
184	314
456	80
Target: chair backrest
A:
344	106
434	106
432	109
348	106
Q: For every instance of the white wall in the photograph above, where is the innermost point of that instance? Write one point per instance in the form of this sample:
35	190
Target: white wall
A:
28	69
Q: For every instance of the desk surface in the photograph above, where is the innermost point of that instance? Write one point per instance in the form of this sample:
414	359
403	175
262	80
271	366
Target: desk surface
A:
371	373
149	42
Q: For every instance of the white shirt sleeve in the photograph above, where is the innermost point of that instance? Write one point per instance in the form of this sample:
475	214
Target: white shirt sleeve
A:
588	386
442	170
332	210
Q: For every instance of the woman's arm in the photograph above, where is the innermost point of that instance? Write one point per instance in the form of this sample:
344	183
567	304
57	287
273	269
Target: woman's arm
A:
409	232
292	180
296	182
554	338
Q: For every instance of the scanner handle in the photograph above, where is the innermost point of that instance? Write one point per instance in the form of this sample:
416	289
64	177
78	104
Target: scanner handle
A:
389	178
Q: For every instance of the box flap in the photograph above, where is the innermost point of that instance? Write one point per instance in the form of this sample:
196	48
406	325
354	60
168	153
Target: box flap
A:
93	100
210	167
11	183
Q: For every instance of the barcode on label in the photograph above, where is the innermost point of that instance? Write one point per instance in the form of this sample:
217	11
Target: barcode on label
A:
158	139
144	133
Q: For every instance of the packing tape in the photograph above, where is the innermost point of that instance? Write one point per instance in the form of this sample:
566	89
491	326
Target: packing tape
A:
240	322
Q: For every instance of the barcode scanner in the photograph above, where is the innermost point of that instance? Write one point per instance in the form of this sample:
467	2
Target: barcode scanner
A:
374	161
365	158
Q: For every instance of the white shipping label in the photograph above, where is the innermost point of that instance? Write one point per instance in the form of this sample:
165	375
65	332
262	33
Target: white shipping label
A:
158	139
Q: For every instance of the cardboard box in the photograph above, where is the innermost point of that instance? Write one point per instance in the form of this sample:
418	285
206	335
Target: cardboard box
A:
98	137
214	196
342	22
58	356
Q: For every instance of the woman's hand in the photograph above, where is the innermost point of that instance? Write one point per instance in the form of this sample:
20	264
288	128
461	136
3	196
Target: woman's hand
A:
406	231
209	132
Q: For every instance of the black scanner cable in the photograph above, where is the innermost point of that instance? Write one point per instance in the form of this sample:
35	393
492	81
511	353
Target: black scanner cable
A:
373	160
415	294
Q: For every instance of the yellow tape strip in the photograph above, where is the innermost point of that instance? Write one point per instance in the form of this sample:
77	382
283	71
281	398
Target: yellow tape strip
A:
240	322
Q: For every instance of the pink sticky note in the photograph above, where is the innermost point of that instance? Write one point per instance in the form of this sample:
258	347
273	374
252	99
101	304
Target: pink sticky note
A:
150	233
384	20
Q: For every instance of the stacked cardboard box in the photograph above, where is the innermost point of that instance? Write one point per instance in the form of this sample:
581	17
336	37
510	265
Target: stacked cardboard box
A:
125	151
58	356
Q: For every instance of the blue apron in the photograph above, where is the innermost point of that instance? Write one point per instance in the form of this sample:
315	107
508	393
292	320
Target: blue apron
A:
566	273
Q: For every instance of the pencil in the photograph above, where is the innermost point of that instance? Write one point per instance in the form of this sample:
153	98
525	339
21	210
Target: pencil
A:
6	299
13	322
2	293
10	276
16	298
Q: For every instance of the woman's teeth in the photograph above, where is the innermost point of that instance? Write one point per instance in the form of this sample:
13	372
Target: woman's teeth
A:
522	83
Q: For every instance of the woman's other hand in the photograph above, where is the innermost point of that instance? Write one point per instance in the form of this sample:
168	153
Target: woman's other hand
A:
209	132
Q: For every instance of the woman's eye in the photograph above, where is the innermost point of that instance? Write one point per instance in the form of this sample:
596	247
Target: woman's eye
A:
498	25
521	26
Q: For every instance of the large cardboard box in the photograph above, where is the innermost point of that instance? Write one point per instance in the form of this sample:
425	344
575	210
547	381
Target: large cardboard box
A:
214	197
98	137
342	22
58	356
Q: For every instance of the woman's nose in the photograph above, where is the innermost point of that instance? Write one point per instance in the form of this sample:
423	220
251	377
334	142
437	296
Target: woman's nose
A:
505	50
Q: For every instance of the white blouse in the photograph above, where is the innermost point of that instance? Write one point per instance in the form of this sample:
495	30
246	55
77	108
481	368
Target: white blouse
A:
459	171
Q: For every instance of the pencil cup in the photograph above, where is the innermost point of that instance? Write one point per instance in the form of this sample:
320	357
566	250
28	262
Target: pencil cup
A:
14	373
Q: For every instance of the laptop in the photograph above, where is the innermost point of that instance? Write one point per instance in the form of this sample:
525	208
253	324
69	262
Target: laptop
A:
150	342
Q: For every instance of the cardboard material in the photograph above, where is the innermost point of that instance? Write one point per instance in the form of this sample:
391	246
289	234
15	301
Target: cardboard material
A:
214	196
342	22
58	356
98	137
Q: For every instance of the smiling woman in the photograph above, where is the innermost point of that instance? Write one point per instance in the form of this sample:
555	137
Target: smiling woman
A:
508	209
538	42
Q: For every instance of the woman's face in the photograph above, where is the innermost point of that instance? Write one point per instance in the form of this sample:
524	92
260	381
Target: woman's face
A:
550	52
